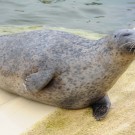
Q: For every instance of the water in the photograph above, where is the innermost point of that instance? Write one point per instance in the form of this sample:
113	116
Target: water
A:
100	16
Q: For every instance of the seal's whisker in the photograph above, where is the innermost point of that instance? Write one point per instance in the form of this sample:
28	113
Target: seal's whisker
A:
125	44
128	43
132	38
133	52
132	46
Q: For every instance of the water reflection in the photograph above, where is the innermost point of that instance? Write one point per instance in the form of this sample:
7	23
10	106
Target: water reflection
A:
51	1
93	3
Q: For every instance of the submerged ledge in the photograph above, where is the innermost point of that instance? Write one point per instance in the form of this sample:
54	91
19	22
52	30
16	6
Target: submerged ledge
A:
4	30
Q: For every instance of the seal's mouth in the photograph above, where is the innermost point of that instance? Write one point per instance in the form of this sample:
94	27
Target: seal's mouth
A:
131	48
130	45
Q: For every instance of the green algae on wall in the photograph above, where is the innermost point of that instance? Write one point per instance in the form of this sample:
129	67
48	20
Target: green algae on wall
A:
4	30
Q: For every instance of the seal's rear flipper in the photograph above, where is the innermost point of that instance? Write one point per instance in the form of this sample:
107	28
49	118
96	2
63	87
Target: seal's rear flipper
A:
37	81
101	107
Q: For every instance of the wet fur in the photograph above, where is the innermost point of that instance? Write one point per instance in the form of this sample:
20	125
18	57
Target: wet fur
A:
81	71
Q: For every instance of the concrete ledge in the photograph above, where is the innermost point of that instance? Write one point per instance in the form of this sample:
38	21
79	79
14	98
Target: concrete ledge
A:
17	113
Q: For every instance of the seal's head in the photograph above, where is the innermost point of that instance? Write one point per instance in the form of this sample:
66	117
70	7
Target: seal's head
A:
124	40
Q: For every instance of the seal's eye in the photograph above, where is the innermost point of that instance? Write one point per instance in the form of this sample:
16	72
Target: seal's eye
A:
126	34
115	36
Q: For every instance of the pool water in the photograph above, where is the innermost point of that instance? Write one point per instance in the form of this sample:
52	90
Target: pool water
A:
100	16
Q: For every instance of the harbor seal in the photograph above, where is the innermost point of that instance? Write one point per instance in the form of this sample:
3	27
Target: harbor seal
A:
63	69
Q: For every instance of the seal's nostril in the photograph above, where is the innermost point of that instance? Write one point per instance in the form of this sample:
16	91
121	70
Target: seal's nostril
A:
126	34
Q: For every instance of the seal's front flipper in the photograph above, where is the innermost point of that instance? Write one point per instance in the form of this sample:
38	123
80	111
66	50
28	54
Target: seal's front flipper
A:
37	81
101	107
